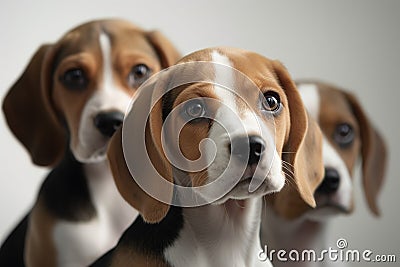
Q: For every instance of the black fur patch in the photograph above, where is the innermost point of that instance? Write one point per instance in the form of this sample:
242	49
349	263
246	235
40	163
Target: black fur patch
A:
153	238
12	250
105	260
147	239
65	191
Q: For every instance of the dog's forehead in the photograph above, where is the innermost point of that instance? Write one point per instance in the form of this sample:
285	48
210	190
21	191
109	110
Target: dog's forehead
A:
123	36
127	37
91	30
242	68
249	63
253	65
79	40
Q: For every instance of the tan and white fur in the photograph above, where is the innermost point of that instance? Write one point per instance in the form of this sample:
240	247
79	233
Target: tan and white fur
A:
347	136
64	108
226	231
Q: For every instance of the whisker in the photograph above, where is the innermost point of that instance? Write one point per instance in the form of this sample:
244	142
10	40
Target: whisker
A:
287	163
290	183
289	178
289	168
289	175
288	171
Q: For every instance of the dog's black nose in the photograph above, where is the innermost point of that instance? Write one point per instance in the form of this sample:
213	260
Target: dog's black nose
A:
108	122
254	144
331	181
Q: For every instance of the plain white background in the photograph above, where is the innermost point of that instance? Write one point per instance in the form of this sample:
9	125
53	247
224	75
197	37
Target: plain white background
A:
354	44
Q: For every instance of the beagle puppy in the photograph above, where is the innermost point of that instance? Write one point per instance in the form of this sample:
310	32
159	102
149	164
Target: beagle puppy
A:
222	103
347	135
63	109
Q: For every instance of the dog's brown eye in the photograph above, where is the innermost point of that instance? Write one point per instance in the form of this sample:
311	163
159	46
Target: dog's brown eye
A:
343	135
139	74
271	102
74	79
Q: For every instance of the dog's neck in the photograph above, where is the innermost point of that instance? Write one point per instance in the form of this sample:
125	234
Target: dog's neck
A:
219	235
299	234
99	179
104	194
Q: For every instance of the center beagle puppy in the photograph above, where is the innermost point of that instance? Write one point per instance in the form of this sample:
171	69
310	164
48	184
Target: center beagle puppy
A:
272	124
348	135
64	108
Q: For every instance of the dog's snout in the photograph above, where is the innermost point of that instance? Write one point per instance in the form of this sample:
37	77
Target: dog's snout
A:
255	146
108	122
331	181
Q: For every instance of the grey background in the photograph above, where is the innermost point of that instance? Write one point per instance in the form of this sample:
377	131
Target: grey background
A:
354	44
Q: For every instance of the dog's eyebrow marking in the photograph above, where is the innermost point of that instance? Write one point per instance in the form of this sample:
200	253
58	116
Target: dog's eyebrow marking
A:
310	96
105	46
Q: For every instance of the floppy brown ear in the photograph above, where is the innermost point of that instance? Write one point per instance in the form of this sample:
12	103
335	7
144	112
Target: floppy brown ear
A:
304	144
166	51
30	114
373	151
151	209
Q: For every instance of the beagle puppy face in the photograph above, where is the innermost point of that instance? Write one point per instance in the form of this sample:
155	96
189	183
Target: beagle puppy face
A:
83	86
237	118
95	74
348	135
235	122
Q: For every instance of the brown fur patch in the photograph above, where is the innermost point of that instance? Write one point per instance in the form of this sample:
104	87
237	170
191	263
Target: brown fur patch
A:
336	110
128	257
40	249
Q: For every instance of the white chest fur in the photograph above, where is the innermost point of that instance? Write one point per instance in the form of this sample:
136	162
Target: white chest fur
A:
79	244
218	236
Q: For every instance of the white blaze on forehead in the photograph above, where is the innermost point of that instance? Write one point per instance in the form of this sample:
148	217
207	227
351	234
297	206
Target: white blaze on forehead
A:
310	96
105	45
109	96
223	86
224	76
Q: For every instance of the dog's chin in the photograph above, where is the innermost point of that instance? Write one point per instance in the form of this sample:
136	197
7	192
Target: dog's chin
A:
242	191
90	156
327	210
